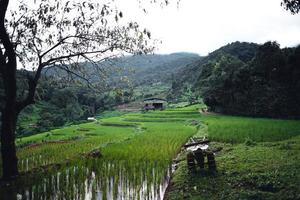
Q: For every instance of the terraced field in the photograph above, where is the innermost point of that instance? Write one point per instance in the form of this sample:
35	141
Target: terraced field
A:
140	146
136	152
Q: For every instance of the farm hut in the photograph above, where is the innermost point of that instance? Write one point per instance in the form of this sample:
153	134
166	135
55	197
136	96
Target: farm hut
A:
154	104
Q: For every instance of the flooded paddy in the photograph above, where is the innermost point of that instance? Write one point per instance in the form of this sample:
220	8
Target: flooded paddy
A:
134	161
93	179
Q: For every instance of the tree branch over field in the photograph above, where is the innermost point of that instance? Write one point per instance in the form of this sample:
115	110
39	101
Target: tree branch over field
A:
46	34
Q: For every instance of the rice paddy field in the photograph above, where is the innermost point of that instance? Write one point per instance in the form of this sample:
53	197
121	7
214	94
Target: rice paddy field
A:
129	156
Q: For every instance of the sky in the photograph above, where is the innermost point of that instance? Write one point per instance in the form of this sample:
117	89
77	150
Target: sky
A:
201	26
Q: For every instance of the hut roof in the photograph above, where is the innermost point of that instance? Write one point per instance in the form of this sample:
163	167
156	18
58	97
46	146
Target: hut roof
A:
154	100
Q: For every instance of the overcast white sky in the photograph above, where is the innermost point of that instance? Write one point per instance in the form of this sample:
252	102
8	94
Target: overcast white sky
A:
202	26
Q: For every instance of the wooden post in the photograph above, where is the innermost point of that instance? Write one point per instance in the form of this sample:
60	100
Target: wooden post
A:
199	156
191	162
211	161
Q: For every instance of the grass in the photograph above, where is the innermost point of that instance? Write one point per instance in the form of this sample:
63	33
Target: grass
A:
259	159
159	142
237	129
257	155
263	171
134	144
108	114
78	141
157	135
120	134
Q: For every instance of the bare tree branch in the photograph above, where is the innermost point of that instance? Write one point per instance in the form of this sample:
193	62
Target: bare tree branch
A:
75	55
58	44
69	71
87	36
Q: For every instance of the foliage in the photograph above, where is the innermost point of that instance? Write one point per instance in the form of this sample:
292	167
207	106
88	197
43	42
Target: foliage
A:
291	5
264	86
188	77
148	69
218	80
55	32
50	35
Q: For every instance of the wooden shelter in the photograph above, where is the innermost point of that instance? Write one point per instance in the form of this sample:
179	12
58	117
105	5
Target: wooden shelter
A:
154	104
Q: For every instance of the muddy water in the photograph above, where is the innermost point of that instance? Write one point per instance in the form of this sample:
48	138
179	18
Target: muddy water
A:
93	179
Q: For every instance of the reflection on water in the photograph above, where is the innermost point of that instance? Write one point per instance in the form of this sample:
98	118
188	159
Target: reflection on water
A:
94	179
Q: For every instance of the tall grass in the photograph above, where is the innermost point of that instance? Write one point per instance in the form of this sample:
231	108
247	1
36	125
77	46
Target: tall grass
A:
159	142
238	129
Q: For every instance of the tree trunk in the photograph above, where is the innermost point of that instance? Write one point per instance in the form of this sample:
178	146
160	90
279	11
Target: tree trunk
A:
8	127
8	67
9	118
8	147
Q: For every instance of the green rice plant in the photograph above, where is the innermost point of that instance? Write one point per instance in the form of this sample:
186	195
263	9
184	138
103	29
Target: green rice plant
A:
136	148
237	129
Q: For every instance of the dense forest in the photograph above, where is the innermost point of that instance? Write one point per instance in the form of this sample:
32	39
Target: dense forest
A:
184	82
247	79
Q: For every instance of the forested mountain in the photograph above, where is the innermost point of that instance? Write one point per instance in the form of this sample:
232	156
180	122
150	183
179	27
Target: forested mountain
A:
266	86
241	50
138	69
246	79
186	79
147	69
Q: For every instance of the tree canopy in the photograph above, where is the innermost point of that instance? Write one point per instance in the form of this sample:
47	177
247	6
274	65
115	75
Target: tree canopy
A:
265	86
292	5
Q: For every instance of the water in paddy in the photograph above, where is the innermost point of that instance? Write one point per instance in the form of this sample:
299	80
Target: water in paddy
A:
93	179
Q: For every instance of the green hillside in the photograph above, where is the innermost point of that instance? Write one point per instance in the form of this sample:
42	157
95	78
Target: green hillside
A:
63	98
244	79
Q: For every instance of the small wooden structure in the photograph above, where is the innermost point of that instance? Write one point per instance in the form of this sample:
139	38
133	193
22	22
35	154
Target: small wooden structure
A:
211	161
154	104
199	156
191	162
